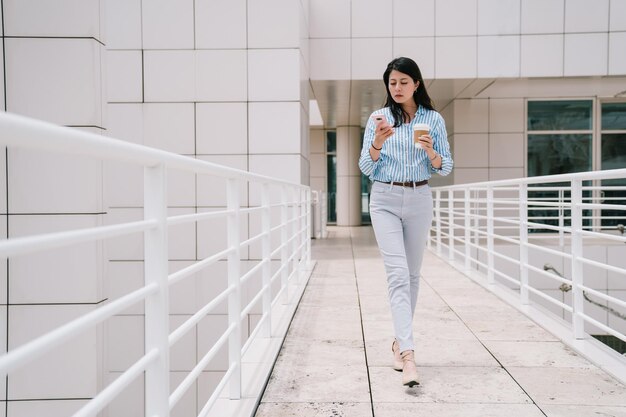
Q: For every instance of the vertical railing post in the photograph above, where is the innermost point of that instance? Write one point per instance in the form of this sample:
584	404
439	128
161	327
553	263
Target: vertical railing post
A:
561	211
284	273
438	219
156	305
309	235
266	249
477	213
303	229
295	242
578	302
234	280
523	242
468	225
451	226
490	245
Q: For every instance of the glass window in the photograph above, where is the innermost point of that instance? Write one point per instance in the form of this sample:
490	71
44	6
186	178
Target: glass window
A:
558	154
331	175
613	116
331	142
560	115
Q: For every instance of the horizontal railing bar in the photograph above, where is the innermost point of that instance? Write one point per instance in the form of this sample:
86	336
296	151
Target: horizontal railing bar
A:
620	207
181	330
187	218
603	266
182	388
254	333
251	304
604	296
30	351
506	277
24	132
104	397
617	238
601	326
29	244
550	299
209	404
193	268
245	277
252	240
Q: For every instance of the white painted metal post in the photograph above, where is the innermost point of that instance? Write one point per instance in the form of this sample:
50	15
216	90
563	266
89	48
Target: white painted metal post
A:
438	219
284	274
295	242
523	240
578	301
490	246
266	249
451	226
468	225
309	213
156	305
234	279
561	212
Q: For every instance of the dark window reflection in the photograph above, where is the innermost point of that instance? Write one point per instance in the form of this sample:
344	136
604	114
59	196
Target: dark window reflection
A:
613	116
558	154
560	115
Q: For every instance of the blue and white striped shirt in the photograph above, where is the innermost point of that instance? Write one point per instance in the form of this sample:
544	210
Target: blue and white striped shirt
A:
399	159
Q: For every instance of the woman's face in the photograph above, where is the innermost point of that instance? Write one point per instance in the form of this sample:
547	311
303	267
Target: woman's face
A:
401	87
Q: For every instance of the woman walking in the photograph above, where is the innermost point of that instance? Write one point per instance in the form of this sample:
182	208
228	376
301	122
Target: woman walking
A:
400	162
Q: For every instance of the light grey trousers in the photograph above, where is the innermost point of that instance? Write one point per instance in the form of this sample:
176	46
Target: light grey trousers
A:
401	217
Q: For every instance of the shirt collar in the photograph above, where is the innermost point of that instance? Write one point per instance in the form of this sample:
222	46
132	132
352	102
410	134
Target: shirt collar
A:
420	110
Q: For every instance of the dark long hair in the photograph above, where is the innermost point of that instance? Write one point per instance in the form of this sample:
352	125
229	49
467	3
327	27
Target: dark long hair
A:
409	67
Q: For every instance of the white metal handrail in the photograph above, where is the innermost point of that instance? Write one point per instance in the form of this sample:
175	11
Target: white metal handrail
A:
475	223
294	249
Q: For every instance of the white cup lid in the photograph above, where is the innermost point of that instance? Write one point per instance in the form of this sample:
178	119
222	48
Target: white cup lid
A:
421	126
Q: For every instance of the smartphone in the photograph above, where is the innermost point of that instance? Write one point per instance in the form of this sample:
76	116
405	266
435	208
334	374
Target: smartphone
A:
379	118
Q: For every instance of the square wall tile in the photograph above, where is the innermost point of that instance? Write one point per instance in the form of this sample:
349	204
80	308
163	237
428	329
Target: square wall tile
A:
221	128
169	126
220	24
581	16
542	56
42	182
124	76
498	56
212	234
421	50
44	408
183	353
404	18
123	278
67	371
125	122
330	59
168	24
181	188
125	248
506	150
543	16
471	116
496	174
506	115
212	190
125	341
593	47
273	74
221	75
286	167
369	22
57	80
32	18
455	18
617	58
471	150
616	18
181	238
499	17
273	24
211	282
329	18
123	24
64	275
123	185
470	175
264	137
169	76
455	57
370	57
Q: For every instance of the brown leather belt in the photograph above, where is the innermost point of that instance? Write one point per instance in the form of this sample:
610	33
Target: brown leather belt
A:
408	183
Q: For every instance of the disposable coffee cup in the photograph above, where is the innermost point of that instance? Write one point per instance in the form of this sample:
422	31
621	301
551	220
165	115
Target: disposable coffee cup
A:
419	129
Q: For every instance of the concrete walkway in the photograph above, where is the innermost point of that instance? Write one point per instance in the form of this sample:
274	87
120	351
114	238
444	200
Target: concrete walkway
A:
476	356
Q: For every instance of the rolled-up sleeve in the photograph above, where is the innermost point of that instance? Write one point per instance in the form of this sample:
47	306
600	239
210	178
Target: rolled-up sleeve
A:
442	147
366	164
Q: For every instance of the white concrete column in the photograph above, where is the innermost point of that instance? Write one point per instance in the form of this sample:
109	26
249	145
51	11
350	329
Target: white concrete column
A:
348	176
